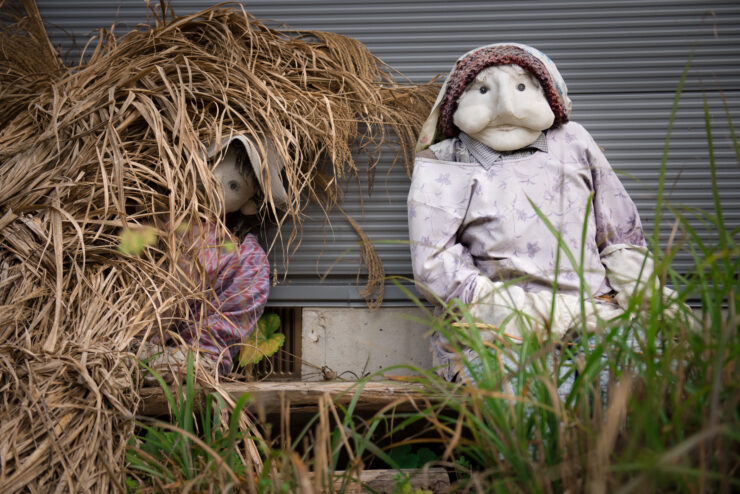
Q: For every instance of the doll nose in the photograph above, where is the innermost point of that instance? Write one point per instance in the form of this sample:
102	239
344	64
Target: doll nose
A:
504	106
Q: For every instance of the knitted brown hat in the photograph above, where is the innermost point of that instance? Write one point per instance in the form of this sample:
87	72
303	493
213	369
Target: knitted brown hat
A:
470	66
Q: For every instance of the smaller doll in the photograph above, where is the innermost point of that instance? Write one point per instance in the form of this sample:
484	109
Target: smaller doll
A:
232	275
242	177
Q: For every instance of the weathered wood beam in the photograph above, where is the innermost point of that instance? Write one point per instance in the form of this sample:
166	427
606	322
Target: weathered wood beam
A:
436	480
304	396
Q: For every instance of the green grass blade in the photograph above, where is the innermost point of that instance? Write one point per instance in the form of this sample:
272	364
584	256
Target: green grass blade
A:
713	173
664	157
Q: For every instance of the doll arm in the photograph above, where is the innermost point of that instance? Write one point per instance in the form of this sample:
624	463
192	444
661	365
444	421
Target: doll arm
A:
443	267
444	270
619	234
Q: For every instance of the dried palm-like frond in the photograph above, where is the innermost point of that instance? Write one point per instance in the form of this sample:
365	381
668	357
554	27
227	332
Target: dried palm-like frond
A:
119	142
27	60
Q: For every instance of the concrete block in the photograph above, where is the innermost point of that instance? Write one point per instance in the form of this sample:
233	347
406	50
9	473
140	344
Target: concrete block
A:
351	343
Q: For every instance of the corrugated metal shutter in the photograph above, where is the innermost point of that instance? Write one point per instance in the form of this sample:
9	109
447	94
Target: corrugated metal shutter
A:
622	62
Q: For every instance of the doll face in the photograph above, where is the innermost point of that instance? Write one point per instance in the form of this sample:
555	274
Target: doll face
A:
239	191
504	108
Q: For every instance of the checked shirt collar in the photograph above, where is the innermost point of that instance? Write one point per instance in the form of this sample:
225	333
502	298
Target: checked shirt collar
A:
487	156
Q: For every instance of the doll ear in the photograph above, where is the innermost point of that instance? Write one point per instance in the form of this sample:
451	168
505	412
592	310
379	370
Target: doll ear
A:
249	208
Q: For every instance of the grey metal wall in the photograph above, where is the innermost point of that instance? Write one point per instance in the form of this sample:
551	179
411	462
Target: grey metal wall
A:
622	61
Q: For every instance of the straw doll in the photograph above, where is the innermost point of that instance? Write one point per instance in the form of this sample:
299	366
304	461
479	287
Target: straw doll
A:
496	155
233	276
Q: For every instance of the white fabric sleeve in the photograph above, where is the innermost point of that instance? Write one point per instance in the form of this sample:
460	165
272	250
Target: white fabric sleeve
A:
629	269
515	312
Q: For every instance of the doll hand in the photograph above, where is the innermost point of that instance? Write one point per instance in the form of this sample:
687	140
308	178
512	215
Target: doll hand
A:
673	308
249	208
171	362
628	270
630	273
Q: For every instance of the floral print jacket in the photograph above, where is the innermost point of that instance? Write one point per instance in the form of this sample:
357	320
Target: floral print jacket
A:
518	218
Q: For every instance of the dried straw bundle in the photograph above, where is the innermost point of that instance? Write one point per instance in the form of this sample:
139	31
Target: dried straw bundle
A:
27	61
119	142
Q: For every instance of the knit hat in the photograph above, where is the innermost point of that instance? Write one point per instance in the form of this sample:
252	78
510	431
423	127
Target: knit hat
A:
440	121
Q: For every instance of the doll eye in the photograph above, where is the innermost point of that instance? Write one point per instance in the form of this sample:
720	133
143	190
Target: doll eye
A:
521	87
233	185
483	90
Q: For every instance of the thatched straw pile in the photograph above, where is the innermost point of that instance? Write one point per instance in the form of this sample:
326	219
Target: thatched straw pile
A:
117	142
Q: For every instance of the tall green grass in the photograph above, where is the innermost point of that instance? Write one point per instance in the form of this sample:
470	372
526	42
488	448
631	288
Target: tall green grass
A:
668	422
188	454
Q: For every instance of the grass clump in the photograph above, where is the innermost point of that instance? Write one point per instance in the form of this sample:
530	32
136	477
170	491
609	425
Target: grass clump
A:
186	454
666	423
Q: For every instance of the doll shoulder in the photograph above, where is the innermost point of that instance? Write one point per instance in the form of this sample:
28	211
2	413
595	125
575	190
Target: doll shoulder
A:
570	133
443	150
438	177
571	139
450	150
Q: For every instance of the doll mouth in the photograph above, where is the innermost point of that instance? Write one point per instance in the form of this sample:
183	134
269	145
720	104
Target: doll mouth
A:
505	128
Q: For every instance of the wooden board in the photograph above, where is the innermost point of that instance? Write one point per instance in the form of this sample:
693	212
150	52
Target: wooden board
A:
435	480
304	396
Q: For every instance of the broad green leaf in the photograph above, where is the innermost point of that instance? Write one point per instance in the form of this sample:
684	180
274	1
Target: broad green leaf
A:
268	324
135	240
272	344
254	350
249	354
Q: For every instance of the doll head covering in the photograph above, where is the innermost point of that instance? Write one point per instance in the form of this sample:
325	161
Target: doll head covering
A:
268	176
440	124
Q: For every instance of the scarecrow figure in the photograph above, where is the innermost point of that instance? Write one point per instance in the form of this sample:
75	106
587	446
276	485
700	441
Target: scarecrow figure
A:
496	156
234	275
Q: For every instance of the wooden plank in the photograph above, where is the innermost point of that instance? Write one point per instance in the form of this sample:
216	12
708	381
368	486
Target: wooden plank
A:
302	396
435	480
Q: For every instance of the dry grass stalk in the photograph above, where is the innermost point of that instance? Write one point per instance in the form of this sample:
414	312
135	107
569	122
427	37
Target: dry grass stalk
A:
117	142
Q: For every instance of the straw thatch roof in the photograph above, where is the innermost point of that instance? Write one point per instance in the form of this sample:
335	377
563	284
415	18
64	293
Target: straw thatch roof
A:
118	142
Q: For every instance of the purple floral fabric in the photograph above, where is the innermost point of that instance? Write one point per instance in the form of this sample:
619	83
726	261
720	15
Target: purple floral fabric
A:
237	283
468	218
